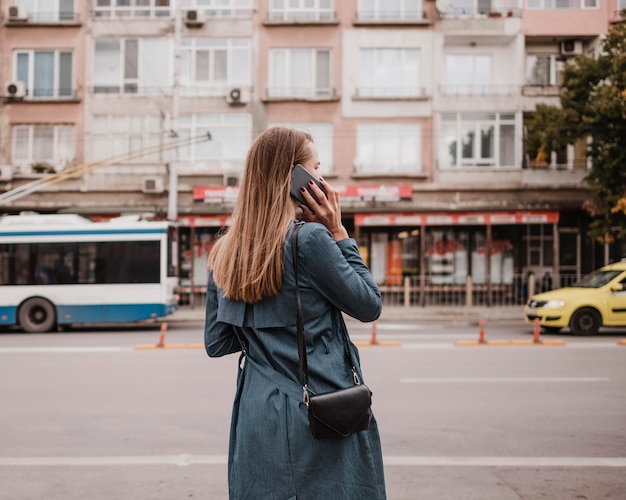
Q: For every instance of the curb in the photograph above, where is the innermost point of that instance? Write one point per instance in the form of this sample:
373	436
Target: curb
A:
377	344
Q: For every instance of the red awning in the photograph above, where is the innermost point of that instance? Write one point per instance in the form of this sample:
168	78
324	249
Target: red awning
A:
456	218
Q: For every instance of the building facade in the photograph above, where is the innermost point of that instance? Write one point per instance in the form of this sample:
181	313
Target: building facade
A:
416	106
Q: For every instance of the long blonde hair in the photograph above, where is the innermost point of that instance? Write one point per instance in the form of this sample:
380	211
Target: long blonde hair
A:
247	261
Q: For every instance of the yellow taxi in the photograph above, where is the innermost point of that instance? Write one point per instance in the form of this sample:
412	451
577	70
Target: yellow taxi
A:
598	299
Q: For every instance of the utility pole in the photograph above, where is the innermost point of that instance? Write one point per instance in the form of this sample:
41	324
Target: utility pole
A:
172	201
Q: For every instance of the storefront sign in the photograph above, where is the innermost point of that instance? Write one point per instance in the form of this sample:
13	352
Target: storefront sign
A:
453	219
379	193
206	221
215	194
353	193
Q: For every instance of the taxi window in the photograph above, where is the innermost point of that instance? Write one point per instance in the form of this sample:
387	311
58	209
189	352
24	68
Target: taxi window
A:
596	279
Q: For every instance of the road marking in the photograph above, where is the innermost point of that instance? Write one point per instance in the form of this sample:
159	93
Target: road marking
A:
60	349
481	380
392	460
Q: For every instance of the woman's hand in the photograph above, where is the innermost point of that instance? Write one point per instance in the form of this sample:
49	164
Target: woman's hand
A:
327	211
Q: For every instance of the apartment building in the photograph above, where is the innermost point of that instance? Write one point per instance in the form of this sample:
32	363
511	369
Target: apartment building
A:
417	108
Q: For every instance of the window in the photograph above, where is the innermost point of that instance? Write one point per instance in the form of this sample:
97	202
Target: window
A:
301	10
300	73
389	73
132	65
543	69
468	74
389	148
132	8
226	151
477	140
80	263
562	4
48	10
118	135
322	134
211	66
46	73
385	10
48	145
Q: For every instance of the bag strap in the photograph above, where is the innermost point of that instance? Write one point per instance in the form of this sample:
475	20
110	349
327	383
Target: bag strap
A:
302	361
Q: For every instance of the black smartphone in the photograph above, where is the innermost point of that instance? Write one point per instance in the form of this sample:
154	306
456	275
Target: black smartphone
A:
300	177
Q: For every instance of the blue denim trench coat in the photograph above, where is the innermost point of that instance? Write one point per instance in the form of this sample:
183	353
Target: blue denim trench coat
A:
272	455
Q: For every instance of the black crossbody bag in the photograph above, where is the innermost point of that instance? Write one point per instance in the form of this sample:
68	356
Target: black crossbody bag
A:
338	413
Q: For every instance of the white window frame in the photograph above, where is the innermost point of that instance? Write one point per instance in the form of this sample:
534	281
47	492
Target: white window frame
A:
144	82
475	83
374	10
372	86
372	157
282	86
223	127
58	160
285	10
562	4
133	9
322	134
47	10
235	48
32	91
461	124
556	67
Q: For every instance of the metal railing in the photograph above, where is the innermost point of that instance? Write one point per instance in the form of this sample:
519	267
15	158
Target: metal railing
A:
415	292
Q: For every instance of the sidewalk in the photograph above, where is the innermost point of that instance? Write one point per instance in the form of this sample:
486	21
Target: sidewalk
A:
446	314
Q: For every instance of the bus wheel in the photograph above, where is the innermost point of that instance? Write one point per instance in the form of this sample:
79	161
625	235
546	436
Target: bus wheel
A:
37	315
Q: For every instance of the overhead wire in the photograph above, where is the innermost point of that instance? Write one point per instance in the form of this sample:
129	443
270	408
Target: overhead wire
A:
75	171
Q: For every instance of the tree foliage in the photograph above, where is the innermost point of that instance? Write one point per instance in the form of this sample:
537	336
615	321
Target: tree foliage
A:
593	106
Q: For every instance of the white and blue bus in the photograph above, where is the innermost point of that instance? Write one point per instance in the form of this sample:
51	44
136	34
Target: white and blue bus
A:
63	269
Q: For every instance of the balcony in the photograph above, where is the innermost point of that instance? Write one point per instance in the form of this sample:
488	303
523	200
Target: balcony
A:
390	94
301	17
20	17
393	18
278	94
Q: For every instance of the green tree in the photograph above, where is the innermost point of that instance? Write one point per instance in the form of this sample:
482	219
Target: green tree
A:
593	105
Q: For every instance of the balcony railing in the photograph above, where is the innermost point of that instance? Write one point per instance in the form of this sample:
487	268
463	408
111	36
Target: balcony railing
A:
49	17
481	90
300	15
307	94
390	93
390	16
541	90
479	13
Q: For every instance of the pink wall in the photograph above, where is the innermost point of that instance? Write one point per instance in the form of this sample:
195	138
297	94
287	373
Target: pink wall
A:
567	22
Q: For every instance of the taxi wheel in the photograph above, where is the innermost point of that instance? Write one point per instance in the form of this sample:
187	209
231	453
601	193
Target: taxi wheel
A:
585	321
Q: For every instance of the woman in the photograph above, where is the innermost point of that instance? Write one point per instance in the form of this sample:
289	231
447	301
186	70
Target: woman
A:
251	303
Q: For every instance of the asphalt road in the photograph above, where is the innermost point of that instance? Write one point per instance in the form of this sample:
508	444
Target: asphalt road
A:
86	414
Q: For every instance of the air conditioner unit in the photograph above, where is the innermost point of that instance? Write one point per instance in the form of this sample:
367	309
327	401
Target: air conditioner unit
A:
238	96
16	13
15	90
571	47
152	185
194	18
231	180
6	172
